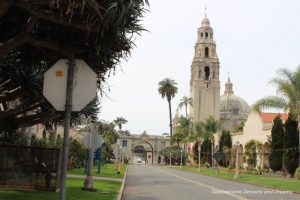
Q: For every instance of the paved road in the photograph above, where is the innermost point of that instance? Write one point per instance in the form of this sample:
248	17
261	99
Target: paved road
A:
161	183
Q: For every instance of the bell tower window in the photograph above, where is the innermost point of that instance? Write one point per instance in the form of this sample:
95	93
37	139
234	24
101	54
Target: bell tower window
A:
206	35
206	73
201	35
206	52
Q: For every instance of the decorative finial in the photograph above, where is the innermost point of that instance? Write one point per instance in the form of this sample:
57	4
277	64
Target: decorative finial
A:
228	76
205	11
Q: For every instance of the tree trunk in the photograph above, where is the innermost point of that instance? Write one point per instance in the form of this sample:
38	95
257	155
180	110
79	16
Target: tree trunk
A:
186	115
170	113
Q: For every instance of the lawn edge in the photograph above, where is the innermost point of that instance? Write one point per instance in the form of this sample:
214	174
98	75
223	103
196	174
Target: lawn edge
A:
295	192
123	185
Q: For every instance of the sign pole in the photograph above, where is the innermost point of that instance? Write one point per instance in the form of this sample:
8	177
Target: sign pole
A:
67	121
99	161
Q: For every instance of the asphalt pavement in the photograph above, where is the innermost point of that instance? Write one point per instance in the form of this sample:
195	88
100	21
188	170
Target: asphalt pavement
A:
145	182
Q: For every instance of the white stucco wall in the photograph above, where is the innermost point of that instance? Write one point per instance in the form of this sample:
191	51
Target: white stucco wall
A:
253	129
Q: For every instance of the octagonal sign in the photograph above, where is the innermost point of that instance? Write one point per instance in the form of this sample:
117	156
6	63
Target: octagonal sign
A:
84	85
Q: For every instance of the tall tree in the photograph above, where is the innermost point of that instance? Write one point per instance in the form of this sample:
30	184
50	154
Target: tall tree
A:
290	153
277	134
288	86
167	88
185	101
211	126
119	121
225	140
198	135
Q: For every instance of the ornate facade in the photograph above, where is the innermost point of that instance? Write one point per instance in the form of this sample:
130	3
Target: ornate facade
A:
205	84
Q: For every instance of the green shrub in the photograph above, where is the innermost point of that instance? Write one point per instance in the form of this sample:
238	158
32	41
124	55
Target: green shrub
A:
298	173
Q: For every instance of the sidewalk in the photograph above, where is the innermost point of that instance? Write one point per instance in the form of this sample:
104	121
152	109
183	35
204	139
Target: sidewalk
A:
95	177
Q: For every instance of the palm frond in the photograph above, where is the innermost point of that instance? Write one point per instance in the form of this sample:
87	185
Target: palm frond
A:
270	102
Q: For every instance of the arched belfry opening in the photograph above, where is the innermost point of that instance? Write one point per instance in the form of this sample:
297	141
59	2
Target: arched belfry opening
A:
206	52
207	73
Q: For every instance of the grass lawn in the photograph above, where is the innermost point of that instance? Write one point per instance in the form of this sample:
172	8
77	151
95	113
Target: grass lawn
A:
107	170
74	192
290	184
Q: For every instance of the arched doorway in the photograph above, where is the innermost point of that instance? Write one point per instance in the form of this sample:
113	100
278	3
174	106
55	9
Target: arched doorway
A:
143	154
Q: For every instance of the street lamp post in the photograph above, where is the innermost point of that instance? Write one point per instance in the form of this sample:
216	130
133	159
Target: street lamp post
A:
236	175
170	159
181	151
199	157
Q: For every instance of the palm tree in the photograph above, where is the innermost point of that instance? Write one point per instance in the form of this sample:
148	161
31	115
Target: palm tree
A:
119	121
211	126
167	88
198	135
185	101
288	87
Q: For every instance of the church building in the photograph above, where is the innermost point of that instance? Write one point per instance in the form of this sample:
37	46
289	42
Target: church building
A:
205	84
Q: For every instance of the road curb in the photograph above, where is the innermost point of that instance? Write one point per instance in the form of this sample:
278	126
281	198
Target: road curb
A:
123	185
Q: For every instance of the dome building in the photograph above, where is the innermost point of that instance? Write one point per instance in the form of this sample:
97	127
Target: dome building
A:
233	109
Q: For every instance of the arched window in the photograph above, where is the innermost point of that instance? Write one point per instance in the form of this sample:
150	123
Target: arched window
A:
206	35
207	73
201	35
235	111
206	52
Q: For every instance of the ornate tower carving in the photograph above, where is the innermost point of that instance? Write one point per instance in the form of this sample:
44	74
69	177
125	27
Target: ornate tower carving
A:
205	84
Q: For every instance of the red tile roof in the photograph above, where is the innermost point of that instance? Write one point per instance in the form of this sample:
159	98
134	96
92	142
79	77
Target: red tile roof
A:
269	117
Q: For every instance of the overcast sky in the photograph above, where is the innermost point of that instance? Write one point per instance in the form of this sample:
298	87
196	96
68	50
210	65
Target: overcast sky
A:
254	39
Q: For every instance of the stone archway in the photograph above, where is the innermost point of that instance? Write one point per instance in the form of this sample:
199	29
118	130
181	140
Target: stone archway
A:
143	153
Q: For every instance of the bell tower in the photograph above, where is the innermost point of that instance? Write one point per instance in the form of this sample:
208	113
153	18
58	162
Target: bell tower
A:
205	84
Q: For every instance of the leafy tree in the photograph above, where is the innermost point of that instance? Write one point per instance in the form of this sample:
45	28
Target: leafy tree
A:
119	121
178	137
291	141
206	151
77	153
196	152
239	127
225	140
183	130
110	137
175	154
184	102
225	143
13	137
277	134
250	152
167	88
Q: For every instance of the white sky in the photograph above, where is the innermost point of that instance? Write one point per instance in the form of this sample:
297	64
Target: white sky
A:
254	39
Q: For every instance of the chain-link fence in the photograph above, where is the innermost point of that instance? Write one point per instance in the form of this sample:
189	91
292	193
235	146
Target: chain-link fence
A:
29	167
